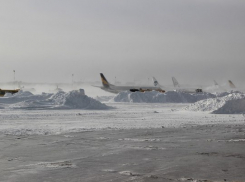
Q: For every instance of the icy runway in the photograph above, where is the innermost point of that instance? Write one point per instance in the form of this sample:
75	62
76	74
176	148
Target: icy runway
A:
208	153
124	116
146	142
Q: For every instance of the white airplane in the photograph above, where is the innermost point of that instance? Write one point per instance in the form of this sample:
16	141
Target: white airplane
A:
221	88
106	86
216	86
176	84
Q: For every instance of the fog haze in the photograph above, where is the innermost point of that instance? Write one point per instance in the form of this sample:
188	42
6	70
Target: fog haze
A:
195	41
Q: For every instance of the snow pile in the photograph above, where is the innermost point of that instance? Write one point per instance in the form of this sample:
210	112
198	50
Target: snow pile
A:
221	94
75	99
158	97
104	98
232	107
8	95
231	103
21	93
21	96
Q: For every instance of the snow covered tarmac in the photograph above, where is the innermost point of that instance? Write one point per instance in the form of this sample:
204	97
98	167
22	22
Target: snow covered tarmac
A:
133	142
124	116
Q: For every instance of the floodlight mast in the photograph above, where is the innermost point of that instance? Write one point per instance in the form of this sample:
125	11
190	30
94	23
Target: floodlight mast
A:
14	78
72	80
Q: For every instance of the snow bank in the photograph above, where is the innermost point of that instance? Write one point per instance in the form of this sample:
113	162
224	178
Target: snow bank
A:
22	96
21	93
104	98
221	94
157	97
75	99
229	104
232	107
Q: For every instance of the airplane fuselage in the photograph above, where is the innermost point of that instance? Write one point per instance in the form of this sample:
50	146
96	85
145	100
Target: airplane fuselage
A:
4	91
116	89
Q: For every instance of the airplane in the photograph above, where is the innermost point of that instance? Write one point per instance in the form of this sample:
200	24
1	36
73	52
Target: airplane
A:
221	88
116	89
216	87
215	83
176	84
231	84
235	87
4	91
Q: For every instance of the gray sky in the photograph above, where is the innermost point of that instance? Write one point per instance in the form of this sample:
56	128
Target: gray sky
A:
193	40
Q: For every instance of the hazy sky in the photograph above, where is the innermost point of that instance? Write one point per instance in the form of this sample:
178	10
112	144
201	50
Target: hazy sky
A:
193	40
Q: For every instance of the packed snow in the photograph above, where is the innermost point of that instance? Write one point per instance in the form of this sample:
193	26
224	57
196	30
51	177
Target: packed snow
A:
158	97
75	99
232	107
104	98
53	113
218	103
226	103
125	116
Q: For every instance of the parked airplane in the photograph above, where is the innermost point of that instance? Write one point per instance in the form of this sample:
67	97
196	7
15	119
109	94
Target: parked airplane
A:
231	84
176	84
236	87
219	87
222	88
215	83
4	91
116	89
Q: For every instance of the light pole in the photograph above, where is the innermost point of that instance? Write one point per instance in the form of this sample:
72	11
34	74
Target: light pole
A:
14	78
72	80
14	75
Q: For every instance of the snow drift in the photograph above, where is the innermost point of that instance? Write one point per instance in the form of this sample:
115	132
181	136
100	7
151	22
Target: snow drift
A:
231	103
157	97
22	96
75	99
232	107
104	98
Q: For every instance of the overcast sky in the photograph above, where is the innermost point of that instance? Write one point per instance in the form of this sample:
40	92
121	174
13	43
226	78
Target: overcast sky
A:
193	40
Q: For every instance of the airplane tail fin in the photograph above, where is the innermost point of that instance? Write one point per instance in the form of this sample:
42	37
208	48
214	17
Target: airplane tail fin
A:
231	84
156	84
105	83
175	82
215	83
